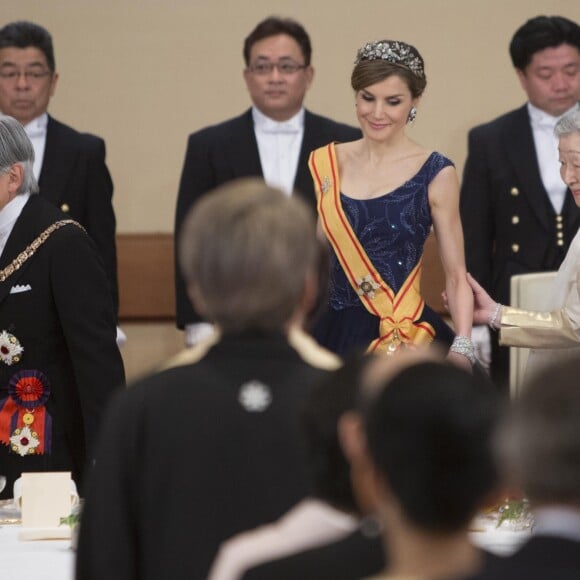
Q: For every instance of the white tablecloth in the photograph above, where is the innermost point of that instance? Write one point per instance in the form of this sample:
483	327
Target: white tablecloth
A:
54	559
40	560
501	541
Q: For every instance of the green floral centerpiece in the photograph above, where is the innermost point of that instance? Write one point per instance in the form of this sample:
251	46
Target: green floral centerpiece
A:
515	512
73	521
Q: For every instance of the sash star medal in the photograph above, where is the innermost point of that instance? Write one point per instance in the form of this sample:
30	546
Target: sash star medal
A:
25	424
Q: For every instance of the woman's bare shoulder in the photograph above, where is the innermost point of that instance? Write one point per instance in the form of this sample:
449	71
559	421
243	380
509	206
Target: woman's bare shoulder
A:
345	152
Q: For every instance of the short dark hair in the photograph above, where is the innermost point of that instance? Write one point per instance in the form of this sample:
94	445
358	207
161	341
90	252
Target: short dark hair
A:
328	402
23	34
539	33
429	434
273	26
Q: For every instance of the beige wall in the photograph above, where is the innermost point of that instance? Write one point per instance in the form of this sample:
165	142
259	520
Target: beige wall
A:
144	74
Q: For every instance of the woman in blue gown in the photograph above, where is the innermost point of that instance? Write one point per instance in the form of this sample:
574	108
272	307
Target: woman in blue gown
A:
378	199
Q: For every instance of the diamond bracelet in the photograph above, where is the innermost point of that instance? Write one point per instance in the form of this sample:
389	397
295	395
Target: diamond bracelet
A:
464	346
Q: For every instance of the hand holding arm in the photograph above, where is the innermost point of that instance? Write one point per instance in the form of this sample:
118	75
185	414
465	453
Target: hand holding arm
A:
484	307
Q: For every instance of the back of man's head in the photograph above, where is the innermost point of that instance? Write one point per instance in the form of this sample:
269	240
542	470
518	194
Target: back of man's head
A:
24	34
429	433
540	33
15	147
249	254
543	436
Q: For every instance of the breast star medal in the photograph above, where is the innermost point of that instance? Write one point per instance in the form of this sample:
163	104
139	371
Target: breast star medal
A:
10	348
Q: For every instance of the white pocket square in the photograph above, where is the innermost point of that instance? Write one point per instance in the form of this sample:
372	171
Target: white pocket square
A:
20	288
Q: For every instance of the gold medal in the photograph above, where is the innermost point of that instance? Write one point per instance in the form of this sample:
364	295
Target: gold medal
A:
28	418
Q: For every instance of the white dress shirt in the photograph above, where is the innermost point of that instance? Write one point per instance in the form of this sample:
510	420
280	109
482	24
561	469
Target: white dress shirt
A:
279	146
36	131
8	217
546	144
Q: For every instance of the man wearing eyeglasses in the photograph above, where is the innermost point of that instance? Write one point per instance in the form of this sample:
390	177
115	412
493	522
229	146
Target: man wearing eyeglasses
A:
271	140
69	166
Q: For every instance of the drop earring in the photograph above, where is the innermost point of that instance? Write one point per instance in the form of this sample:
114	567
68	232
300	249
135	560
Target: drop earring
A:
412	116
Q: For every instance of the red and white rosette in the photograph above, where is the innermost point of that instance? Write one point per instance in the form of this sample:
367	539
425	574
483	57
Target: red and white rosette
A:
25	424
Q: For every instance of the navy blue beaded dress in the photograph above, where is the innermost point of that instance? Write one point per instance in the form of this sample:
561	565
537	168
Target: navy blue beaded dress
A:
392	229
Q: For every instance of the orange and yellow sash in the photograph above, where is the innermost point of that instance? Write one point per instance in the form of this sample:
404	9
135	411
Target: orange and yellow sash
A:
398	313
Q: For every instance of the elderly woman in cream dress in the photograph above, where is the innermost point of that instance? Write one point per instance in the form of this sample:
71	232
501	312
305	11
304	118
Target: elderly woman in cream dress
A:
555	332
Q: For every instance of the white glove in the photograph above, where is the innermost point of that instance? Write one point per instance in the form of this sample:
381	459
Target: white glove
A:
121	337
196	332
482	344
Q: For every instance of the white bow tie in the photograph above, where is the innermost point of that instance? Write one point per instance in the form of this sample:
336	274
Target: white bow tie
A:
269	126
544	122
34	132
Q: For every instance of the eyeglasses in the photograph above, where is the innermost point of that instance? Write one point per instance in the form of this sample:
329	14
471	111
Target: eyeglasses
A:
29	75
284	67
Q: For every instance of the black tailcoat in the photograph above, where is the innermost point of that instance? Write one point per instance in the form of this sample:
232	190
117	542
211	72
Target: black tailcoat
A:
75	178
64	321
221	153
184	462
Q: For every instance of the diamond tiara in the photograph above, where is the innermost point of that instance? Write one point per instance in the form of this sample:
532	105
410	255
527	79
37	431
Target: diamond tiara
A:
395	52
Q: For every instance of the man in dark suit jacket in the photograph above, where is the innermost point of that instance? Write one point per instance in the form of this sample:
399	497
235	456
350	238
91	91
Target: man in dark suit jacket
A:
70	166
58	358
273	139
212	445
542	439
517	214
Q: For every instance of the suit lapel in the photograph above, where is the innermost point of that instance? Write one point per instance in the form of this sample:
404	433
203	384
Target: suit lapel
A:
521	151
24	232
242	148
244	158
303	183
54	164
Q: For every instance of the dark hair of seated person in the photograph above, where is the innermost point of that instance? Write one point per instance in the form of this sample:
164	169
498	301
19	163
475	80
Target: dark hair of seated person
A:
429	434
